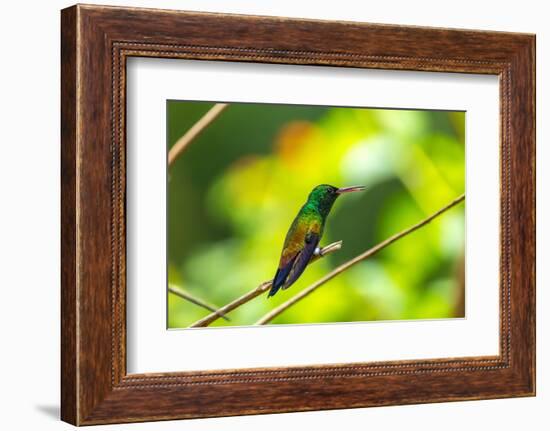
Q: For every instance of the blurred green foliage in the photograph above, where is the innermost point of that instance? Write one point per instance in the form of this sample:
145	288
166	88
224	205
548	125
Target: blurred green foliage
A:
234	192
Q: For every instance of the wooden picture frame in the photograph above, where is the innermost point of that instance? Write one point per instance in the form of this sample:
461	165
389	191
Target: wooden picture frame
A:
96	41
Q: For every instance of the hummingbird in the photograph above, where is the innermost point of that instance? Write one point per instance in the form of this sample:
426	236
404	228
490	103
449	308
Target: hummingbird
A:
302	239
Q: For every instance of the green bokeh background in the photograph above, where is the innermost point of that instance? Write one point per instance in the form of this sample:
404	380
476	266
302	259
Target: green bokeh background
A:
234	192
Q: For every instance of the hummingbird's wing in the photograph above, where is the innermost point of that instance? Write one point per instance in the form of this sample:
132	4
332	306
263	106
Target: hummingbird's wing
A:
289	273
300	244
302	258
281	276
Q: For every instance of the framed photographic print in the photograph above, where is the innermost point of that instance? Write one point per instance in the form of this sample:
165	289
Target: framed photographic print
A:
267	215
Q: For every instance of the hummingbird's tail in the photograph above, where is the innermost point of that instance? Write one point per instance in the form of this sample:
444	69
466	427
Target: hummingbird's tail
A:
279	280
273	291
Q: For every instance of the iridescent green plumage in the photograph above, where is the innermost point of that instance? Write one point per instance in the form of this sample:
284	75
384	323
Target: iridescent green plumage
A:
303	237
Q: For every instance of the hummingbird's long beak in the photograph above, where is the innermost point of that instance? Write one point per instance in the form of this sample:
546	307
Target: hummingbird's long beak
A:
350	189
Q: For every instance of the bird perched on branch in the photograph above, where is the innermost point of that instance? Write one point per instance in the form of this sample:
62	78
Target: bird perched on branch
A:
302	239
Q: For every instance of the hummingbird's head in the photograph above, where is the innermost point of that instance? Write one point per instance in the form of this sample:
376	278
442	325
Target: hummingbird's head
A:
324	195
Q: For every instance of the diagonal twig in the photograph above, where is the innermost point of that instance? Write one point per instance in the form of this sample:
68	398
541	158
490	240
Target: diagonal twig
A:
193	299
264	287
278	310
182	143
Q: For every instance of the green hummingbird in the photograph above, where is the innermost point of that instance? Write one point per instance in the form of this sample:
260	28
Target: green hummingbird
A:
302	239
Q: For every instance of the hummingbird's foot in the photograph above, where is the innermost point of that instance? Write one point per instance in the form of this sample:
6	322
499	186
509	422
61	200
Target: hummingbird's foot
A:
318	252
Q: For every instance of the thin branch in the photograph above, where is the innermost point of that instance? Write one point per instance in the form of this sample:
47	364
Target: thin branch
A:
276	311
191	298
182	143
264	287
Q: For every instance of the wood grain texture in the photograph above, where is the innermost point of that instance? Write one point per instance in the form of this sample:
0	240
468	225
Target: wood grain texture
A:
96	42
69	397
